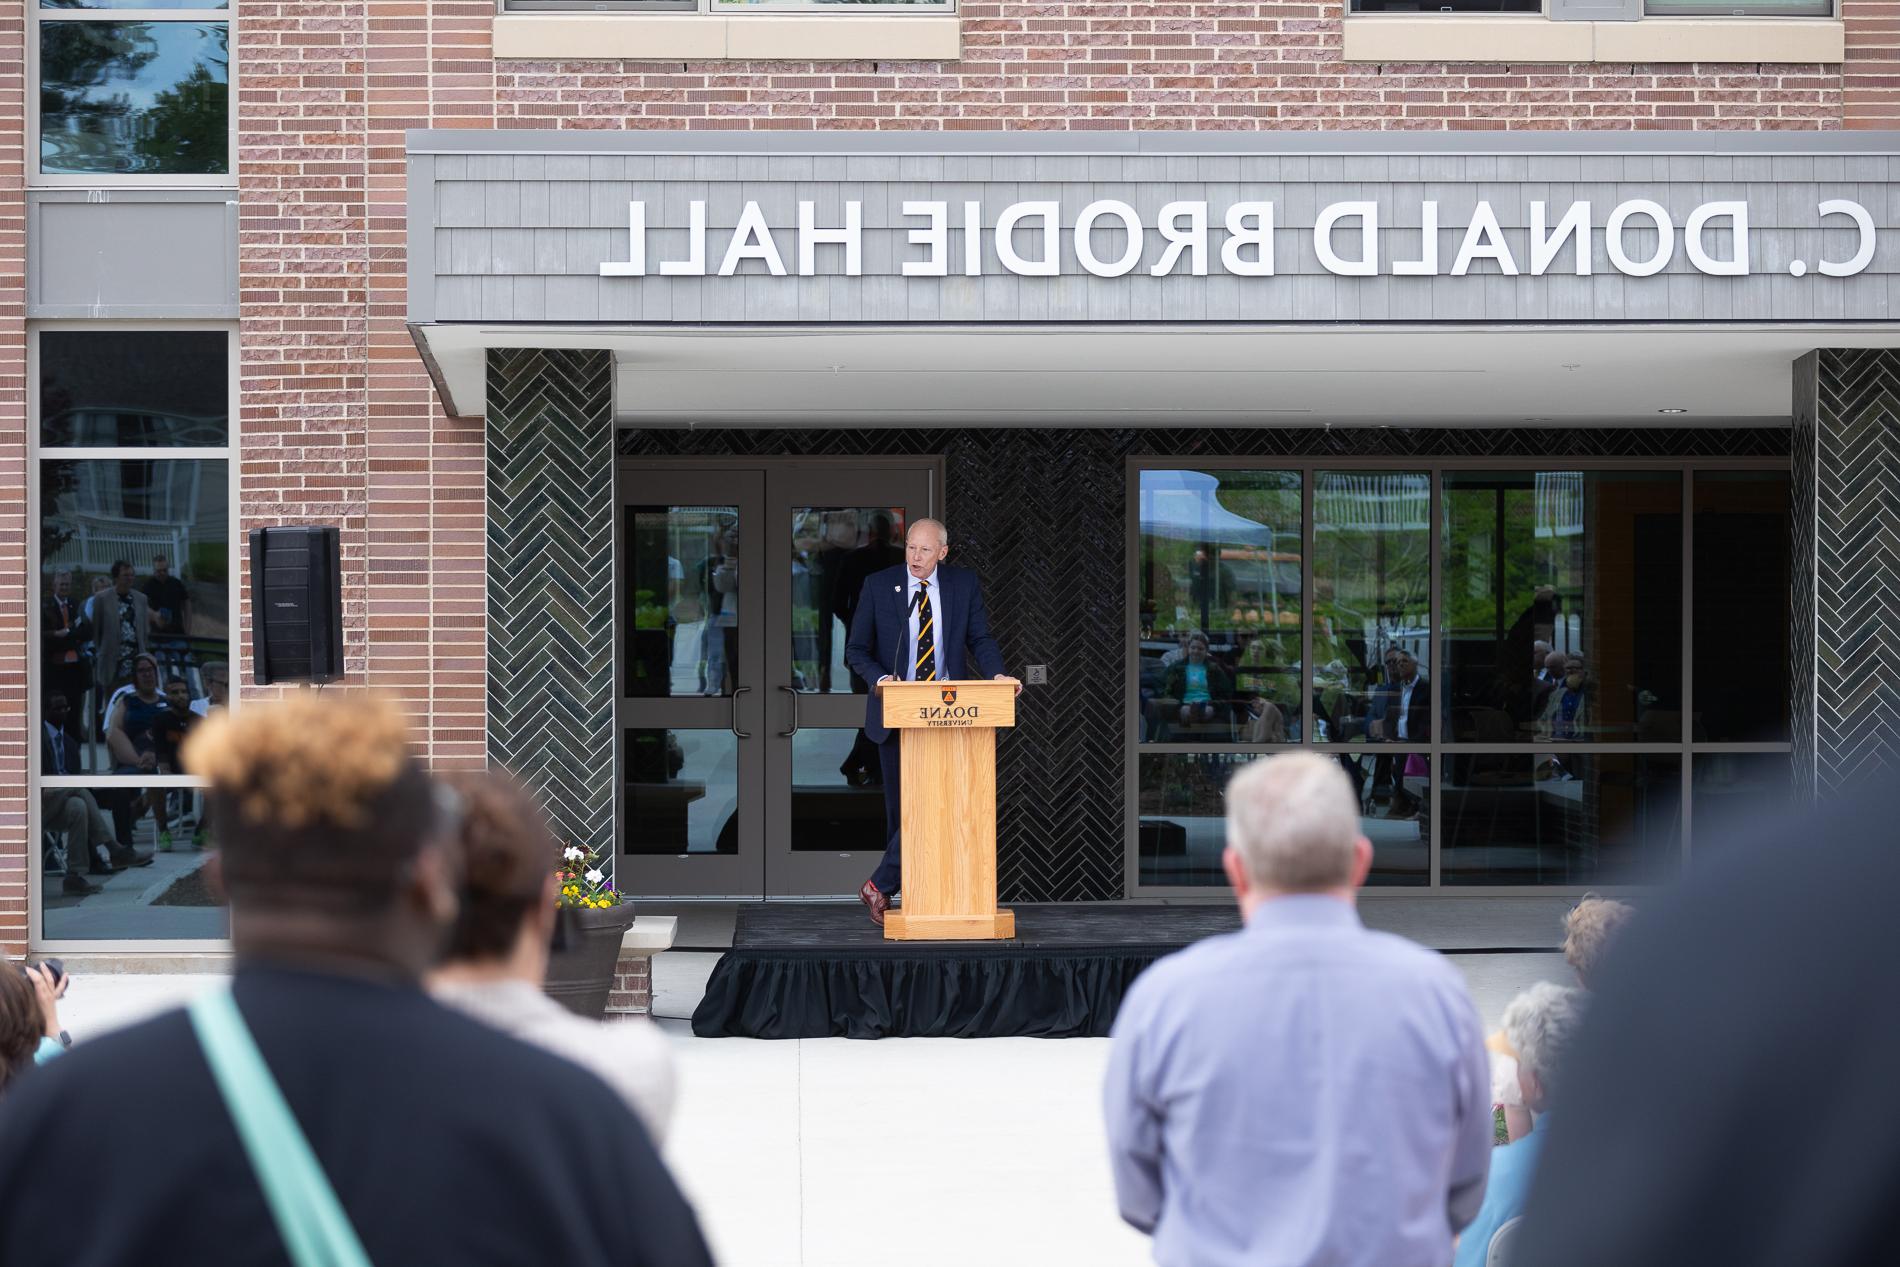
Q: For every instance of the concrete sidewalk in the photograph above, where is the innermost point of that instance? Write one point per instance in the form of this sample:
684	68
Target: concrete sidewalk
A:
815	1153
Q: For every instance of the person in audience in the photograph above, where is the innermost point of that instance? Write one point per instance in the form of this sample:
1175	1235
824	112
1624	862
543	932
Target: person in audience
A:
168	600
443	1140
217	679
1732	1097
1264	723
1304	1090
1542	1024
1590	928
498	955
1590	931
1568	710
30	1032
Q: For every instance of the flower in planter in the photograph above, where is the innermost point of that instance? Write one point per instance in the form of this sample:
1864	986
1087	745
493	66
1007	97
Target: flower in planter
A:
584	883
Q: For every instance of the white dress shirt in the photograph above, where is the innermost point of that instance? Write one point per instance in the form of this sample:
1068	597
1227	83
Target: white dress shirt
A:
1405	707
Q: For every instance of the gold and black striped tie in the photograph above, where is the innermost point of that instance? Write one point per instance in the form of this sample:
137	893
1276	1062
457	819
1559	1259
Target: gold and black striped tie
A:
926	636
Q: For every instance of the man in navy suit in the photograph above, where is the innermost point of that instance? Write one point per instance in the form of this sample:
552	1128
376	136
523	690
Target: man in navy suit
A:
918	621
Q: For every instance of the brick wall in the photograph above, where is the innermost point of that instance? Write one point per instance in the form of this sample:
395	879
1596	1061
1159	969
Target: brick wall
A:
1871	78
1071	64
632	994
14	735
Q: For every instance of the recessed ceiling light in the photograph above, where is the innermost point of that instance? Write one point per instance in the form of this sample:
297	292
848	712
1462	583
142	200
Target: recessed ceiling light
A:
1539	418
1672	411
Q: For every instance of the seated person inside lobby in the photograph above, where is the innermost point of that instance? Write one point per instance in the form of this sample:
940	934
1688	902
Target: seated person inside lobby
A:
923	620
497	956
1196	691
132	723
441	1140
1569	710
80	838
1542	1023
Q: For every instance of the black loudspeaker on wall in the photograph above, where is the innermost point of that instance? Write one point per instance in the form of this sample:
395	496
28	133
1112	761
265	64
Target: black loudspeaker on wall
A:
296	605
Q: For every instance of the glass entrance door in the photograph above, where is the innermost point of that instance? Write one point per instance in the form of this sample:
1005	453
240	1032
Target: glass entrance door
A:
743	770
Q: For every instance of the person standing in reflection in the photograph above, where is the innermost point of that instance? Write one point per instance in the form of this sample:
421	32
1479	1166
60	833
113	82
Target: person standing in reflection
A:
63	636
723	577
1401	713
121	619
878	552
922	621
169	600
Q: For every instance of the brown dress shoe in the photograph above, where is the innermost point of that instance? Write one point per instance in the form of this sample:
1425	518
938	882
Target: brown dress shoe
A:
874	902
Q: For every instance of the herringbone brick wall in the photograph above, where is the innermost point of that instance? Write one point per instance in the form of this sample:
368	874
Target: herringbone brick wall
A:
1847	555
551	583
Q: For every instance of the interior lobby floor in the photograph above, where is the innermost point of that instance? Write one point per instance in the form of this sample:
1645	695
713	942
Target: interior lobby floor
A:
820	1152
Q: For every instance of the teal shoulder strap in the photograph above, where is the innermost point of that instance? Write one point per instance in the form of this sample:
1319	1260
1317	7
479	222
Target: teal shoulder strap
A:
316	1231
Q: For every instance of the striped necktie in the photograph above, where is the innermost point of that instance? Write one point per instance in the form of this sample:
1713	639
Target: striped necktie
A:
926	670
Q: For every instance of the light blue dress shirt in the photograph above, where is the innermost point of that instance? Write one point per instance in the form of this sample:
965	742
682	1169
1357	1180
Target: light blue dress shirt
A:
1301	1092
1511	1169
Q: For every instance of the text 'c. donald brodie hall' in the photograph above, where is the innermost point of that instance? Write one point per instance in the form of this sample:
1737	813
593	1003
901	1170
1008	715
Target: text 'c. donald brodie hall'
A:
1501	403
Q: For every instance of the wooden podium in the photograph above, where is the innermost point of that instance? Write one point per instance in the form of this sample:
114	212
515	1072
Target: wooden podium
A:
949	794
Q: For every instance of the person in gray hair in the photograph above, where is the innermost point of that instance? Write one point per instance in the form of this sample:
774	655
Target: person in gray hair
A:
1541	1024
1305	1090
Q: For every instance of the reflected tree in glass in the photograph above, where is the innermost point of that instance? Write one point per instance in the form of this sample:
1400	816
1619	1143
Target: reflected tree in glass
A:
134	97
1371	600
1219	584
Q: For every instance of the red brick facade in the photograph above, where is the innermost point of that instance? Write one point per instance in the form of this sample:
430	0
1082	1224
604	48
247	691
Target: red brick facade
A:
339	422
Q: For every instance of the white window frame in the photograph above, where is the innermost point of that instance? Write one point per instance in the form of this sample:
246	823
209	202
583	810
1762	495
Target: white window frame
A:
37	779
36	179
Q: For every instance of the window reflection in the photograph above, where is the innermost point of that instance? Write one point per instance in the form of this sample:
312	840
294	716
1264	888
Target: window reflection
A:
1183	828
134	596
682	791
134	388
126	862
134	97
1372	606
1563	601
833	810
833	550
1561	818
1742	595
1219	578
683	578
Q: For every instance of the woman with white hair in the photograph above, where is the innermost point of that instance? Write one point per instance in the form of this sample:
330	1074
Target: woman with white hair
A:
1541	1024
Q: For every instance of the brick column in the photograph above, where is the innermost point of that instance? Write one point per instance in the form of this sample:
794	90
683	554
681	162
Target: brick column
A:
1870	78
1846	567
15	852
551	582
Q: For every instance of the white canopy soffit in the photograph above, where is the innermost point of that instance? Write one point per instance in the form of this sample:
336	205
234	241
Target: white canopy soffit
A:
1203	375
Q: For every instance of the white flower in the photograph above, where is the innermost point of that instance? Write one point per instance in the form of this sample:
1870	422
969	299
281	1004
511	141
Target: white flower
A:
595	877
573	854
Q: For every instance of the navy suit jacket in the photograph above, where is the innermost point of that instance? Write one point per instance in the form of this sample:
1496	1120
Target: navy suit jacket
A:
879	643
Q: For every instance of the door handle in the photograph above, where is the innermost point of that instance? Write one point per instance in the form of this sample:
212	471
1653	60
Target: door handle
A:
737	692
793	692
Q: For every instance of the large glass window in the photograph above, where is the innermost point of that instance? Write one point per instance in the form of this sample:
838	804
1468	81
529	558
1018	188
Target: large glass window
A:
134	609
1563	606
1495	656
133	90
1220	612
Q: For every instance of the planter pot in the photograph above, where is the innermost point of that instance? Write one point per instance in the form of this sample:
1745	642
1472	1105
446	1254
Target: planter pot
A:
586	948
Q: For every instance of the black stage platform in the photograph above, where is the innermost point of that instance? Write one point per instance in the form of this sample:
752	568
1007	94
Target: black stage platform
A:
825	971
